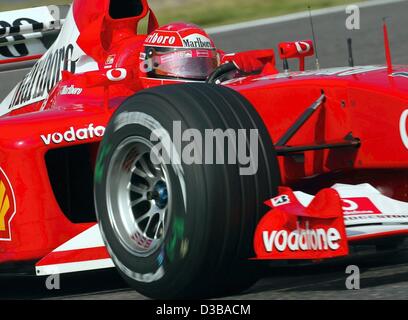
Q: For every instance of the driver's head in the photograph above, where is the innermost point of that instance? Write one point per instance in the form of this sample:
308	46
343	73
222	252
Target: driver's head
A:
179	51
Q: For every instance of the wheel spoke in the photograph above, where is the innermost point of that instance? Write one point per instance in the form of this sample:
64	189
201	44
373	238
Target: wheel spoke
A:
144	217
139	172
152	211
159	226
146	168
136	202
163	214
140	189
137	189
148	225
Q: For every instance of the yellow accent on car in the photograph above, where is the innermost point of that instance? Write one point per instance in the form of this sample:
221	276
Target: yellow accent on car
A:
5	206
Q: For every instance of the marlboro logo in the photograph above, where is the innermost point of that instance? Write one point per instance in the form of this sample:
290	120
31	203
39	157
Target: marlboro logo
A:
197	41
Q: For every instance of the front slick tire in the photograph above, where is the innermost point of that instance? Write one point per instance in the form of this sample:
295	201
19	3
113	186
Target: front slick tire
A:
198	243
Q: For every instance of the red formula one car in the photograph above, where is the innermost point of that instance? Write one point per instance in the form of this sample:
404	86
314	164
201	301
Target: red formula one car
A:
113	153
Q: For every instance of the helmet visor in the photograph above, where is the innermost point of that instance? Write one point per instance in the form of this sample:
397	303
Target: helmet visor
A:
184	64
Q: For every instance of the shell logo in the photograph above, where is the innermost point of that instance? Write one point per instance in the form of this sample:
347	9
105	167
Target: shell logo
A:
7	206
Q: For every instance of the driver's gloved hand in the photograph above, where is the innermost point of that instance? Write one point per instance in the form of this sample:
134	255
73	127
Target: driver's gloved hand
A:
244	61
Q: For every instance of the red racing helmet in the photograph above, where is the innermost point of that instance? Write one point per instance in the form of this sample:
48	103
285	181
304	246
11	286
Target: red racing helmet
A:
179	51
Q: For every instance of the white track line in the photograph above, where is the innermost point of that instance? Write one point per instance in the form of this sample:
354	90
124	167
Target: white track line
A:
296	16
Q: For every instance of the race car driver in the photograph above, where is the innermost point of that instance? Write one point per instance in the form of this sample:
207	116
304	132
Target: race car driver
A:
184	52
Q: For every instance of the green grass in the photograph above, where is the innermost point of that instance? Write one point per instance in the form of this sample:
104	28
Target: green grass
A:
214	12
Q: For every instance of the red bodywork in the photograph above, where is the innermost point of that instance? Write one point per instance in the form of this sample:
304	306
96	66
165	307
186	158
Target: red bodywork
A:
366	102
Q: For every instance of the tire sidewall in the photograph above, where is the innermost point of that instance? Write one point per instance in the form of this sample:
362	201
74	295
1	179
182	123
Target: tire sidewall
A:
211	255
174	255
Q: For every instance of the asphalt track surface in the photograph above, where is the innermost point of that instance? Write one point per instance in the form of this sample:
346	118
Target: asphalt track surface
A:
383	275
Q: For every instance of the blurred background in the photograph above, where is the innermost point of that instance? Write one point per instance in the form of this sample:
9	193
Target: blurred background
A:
330	30
206	12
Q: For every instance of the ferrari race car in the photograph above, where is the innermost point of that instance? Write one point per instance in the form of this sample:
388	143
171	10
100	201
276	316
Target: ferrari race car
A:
187	187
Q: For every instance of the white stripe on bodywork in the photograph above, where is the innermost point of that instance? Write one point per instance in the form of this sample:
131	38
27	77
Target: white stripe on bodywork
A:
90	238
385	204
74	267
394	213
68	36
373	230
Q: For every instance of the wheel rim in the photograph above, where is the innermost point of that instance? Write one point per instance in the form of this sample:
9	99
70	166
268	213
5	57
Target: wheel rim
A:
138	197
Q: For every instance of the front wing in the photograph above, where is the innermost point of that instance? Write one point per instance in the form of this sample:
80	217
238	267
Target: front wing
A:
298	226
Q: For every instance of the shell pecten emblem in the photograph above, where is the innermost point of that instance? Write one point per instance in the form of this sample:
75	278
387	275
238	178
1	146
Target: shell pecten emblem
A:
7	207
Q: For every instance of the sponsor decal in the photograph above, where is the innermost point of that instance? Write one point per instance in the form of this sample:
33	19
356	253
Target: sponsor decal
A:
43	77
197	41
14	26
141	240
148	277
12	37
280	201
71	90
117	74
29	27
302	239
298	49
359	206
110	60
303	47
19	50
292	231
63	55
7	206
203	53
73	135
162	38
403	128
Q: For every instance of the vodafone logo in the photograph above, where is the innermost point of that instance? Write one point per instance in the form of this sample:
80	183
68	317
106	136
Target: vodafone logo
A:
73	135
118	74
161	39
303	47
403	128
359	206
349	205
302	240
297	232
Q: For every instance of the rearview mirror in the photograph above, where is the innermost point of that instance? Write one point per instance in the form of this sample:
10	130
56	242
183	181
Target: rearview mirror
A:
296	50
